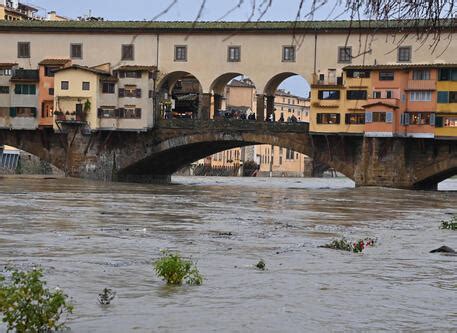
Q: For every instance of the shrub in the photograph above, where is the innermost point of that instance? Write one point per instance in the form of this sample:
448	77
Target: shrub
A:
261	265
450	225
174	270
28	306
344	245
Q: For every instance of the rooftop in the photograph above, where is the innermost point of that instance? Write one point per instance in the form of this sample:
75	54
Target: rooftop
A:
54	62
241	83
84	68
186	26
136	68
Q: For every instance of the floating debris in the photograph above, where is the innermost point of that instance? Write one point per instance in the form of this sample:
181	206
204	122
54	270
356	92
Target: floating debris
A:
106	296
443	249
261	265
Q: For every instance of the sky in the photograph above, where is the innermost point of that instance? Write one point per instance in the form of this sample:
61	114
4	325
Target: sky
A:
183	10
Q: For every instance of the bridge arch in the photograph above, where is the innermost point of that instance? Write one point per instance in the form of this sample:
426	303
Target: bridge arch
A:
430	176
168	81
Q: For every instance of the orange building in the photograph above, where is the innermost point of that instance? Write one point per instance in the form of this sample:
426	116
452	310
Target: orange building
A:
46	88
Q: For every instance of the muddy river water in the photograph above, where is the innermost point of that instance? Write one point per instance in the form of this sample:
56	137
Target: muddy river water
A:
89	235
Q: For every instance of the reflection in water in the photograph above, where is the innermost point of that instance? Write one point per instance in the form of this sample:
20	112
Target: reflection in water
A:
89	236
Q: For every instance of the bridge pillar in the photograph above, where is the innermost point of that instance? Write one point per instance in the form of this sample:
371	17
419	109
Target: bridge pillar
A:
204	106
217	104
260	107
270	106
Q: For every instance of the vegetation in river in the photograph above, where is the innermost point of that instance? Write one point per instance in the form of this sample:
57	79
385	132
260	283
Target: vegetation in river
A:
28	306
174	269
261	265
344	245
106	296
450	224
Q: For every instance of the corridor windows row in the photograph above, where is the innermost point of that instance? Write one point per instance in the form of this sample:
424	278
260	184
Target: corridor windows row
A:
128	112
335	118
65	85
404	54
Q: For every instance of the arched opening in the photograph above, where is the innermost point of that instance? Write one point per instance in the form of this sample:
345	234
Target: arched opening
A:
287	96
180	95
234	96
445	181
14	161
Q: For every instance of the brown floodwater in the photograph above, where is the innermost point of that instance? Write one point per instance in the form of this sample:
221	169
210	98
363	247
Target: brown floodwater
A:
91	235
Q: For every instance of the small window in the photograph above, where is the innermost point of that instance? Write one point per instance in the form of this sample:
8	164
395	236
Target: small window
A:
355	118
328	118
234	53
376	94
4	90
288	53
108	88
443	97
389	94
25	89
420	96
379	117
76	51
5	72
127	52
329	94
386	76
23	50
64	85
356	94
51	91
86	86
180	53
49	71
421	75
453	97
355	73
404	54
345	55
419	118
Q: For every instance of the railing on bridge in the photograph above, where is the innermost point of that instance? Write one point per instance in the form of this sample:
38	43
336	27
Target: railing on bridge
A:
234	125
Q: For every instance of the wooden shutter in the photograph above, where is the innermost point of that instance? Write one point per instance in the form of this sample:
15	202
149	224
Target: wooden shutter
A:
389	117
138	93
432	119
338	118
368	117
438	121
99	112
121	92
138	75
138	113
319	118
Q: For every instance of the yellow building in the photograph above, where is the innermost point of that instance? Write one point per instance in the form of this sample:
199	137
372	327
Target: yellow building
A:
338	102
13	10
446	113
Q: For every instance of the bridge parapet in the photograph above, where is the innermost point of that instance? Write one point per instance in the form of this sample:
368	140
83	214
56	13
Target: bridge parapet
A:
234	125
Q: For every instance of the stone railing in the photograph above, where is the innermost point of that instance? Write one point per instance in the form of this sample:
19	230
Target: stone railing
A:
234	125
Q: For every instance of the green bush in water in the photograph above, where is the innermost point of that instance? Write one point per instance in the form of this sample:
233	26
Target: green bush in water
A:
450	225
28	306
174	270
356	247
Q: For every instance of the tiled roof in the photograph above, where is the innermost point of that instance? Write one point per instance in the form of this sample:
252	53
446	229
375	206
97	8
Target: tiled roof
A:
7	65
380	103
399	66
84	68
136	68
54	62
241	83
149	26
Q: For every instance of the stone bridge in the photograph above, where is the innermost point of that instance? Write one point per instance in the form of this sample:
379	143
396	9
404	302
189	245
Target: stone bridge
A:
155	155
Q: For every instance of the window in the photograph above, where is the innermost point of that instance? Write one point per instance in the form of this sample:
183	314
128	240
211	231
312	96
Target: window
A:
386	76
420	96
5	72
289	154
130	112
419	118
356	73
376	94
23	112
64	85
328	118
355	118
379	117
450	121
130	74
234	53
49	70
447	74
453	97
443	97
23	50
288	53
25	89
4	90
51	91
329	94
388	93
404	54
130	91
86	86
108	88
76	51
345	54
127	52
356	94
421	74
180	53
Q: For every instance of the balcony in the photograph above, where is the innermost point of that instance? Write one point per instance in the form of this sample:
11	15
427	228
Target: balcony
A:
421	85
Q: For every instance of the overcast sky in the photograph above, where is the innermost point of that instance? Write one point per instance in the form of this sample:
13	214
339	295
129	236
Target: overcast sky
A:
184	10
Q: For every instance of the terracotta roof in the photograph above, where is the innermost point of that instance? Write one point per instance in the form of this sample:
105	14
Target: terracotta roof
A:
136	68
241	83
54	62
264	26
399	66
7	65
84	68
380	103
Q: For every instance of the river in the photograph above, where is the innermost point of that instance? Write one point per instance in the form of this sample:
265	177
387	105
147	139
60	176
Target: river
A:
90	235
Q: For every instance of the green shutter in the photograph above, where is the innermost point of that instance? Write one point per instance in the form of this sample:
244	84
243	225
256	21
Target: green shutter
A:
17	89
439	122
443	97
13	112
32	89
34	112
